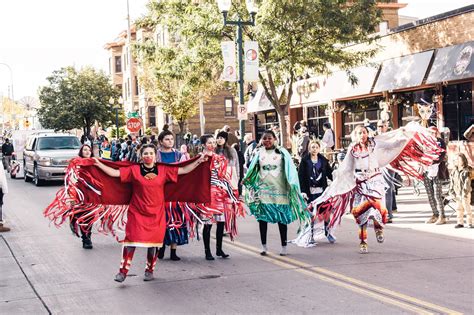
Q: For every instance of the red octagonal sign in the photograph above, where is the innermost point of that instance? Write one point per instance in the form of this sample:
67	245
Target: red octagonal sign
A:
134	124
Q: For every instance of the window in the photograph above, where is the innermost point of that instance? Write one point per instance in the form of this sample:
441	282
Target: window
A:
136	86
58	143
265	121
406	110
383	27
458	109
128	88
118	64
316	118
152	116
229	106
357	111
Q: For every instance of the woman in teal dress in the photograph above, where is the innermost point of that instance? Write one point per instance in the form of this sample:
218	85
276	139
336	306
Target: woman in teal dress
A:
273	191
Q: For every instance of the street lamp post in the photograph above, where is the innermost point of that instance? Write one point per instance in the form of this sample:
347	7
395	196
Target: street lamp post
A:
116	106
11	78
224	7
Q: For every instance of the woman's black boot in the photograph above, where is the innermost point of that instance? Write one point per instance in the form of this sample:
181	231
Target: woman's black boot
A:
206	237
219	235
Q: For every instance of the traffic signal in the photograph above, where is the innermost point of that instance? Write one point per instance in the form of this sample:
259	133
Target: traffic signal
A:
27	123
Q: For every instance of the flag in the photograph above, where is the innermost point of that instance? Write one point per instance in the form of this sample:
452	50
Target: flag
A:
251	61
228	52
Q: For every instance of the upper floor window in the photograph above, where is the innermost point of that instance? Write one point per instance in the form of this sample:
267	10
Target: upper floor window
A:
229	106
118	64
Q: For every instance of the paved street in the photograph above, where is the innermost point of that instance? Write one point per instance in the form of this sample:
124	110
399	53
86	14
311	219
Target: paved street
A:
45	270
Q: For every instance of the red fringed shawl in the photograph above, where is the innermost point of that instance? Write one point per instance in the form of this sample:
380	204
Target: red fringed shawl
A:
90	195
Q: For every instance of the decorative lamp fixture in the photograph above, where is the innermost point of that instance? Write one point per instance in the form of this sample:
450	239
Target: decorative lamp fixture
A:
224	5
251	6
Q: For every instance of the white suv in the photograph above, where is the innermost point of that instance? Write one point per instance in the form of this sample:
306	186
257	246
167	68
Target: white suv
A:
46	156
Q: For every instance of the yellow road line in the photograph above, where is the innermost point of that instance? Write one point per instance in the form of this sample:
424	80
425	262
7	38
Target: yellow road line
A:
364	288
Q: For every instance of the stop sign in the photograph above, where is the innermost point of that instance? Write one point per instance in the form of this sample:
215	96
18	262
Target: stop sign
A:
134	124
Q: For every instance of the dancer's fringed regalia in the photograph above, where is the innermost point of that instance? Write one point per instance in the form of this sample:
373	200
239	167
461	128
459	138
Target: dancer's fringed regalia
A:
279	201
224	204
359	185
91	196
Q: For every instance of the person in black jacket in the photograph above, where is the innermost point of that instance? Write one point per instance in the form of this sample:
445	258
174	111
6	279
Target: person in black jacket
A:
313	173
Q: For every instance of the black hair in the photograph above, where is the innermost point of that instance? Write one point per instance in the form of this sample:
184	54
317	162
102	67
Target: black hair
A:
327	125
81	153
203	139
163	134
147	146
269	132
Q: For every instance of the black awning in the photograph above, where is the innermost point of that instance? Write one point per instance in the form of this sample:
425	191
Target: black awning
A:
453	63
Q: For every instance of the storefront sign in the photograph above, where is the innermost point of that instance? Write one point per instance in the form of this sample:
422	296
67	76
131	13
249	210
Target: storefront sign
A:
242	112
251	61
228	53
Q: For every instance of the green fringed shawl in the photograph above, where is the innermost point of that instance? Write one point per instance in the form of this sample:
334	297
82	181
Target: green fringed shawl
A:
275	213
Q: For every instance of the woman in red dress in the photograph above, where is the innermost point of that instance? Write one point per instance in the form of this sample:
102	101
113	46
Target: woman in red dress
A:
146	222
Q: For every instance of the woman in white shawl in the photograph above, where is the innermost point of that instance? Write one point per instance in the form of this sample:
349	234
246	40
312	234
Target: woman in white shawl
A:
359	183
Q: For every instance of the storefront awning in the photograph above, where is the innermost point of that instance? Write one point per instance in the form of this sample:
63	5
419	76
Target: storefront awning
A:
339	86
453	63
403	72
322	89
260	102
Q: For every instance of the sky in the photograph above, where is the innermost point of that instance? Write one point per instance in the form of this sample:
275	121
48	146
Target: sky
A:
40	36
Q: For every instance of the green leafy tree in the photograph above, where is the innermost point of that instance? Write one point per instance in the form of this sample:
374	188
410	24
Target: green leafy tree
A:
294	37
179	74
77	99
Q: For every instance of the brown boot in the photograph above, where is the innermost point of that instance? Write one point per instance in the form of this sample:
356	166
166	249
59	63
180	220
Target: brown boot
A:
3	228
441	220
433	219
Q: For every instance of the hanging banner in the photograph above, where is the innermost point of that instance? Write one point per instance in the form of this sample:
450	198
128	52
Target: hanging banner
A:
228	53
251	61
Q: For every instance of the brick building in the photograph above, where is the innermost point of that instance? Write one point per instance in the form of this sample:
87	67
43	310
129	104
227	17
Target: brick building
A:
426	61
214	113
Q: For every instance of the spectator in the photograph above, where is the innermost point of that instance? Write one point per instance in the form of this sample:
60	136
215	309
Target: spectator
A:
3	191
469	133
7	150
328	140
389	177
184	153
432	179
370	128
276	131
250	145
460	189
231	139
241	158
196	141
302	143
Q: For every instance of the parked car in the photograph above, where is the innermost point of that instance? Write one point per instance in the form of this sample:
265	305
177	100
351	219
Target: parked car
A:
46	156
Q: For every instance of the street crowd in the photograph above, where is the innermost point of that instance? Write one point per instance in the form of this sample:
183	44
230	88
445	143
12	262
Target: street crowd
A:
161	195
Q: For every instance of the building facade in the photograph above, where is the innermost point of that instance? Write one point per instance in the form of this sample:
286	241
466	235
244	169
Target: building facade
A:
426	65
306	103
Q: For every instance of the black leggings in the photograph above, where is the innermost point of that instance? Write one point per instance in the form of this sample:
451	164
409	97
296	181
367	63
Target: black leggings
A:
263	226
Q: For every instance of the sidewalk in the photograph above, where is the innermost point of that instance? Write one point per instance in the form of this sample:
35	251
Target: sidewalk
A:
413	211
17	295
